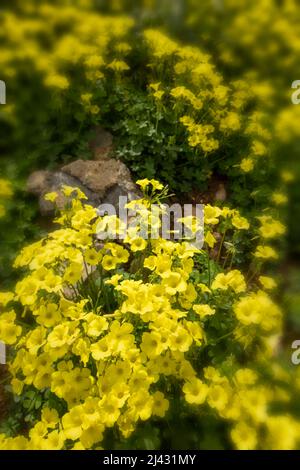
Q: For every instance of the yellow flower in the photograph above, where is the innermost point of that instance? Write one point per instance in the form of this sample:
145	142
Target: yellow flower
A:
36	339
233	279
51	197
114	280
187	121
195	391
265	252
210	239
247	312
123	47
163	265
121	393
212	374
230	122
119	252
253	308
27	290
160	404
94	61
118	65
158	94
119	372
17	386
95	325
109	263
92	257
141	403
217	397
49	315
173	282
150	263
151	344
258	148
101	349
55	441
283	432
81	348
287	176
240	222
86	98
37	434
160	45
68	191
94	109
92	435
72	423
195	331
59	336
9	330
143	183
279	198
244	436
180	340
146	182
155	86
271	228
203	287
267	282
49	417
6	190
138	244
2	211
203	310
120	336
57	81
106	358
73	273
211	215
246	377
247	165
59	383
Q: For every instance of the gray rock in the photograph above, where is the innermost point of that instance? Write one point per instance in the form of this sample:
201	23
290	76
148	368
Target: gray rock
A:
38	181
102	181
221	193
101	176
101	145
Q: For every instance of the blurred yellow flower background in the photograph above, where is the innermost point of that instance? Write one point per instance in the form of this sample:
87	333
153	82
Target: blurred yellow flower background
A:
151	343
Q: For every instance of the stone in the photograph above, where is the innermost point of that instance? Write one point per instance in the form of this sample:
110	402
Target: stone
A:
103	182
221	193
38	181
101	145
101	176
215	192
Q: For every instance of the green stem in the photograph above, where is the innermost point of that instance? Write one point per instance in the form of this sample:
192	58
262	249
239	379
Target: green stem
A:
221	338
208	268
226	259
231	261
221	246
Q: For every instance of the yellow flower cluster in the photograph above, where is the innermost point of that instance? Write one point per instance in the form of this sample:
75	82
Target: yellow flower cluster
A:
104	322
197	90
256	44
87	44
96	50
